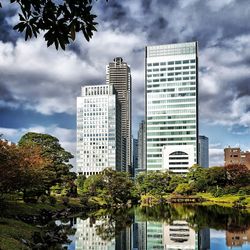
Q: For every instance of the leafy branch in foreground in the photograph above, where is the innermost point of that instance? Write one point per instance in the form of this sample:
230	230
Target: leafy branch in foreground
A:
60	20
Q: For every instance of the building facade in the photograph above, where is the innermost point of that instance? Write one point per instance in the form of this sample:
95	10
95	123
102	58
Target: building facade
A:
236	156
98	130
118	75
142	146
135	154
203	151
178	158
171	101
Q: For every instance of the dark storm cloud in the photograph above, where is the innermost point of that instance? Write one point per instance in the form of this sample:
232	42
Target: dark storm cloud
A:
242	87
5	93
7	34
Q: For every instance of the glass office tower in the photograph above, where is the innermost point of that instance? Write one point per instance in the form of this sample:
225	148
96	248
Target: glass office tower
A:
171	106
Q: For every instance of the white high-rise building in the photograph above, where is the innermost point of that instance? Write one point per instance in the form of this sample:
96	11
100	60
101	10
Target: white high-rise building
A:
98	130
171	105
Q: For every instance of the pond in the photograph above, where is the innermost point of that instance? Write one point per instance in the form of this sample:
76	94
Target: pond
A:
162	227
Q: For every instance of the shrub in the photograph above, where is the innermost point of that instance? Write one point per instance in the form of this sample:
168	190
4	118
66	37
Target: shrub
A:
65	200
43	198
218	192
244	190
184	189
52	200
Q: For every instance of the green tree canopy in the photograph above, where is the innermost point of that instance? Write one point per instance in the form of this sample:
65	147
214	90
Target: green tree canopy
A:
51	150
111	186
60	20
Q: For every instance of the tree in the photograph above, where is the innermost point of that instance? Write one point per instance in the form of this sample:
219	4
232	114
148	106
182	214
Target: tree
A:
51	150
153	182
60	20
33	172
108	187
80	183
237	175
216	176
184	189
197	175
22	169
9	167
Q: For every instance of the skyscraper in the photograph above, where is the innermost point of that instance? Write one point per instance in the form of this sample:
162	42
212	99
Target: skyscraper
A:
142	146
172	106
118	74
98	130
203	151
135	155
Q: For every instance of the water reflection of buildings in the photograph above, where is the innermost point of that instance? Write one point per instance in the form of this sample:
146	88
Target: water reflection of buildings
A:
177	235
86	236
143	235
237	238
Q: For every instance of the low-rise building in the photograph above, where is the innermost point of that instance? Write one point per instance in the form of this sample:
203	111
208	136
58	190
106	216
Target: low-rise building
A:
236	156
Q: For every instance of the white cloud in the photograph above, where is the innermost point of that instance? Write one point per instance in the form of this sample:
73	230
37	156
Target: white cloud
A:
217	5
47	81
67	137
216	157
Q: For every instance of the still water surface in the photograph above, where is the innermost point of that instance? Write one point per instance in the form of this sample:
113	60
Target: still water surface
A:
163	227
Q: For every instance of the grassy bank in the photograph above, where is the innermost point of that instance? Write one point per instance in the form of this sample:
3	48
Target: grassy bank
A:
13	231
224	200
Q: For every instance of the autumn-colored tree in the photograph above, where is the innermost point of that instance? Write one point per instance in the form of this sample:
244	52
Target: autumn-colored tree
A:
52	150
237	174
22	168
34	170
9	167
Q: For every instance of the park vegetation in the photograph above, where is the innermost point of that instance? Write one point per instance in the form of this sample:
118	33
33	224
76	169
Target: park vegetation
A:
38	167
34	167
37	182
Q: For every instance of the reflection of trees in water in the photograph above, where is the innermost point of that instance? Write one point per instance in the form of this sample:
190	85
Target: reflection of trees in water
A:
198	217
112	222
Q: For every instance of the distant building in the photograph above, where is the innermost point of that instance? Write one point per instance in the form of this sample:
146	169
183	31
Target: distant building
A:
118	75
171	103
203	151
135	154
236	156
142	146
98	130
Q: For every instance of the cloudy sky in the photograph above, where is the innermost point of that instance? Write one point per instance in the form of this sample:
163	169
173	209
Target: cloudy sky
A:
39	85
